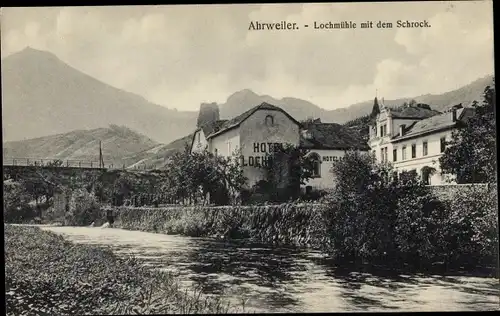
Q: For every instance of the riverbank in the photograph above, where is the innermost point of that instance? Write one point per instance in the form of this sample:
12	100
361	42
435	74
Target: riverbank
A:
297	225
45	274
267	279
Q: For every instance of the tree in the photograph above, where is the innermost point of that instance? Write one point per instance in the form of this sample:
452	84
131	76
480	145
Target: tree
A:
55	163
471	153
287	168
41	184
194	175
16	208
373	212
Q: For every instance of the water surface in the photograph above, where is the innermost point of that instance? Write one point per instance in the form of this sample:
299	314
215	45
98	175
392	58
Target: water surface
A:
290	280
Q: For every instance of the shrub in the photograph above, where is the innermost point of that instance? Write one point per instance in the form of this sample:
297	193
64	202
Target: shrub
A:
83	208
471	225
16	207
374	216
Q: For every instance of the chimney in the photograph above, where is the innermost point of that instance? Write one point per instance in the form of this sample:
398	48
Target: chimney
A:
402	129
454	114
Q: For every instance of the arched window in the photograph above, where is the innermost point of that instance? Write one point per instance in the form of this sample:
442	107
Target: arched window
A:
316	165
269	120
426	173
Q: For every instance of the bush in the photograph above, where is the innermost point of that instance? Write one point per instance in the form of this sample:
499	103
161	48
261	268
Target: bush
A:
377	217
16	207
471	225
44	274
83	209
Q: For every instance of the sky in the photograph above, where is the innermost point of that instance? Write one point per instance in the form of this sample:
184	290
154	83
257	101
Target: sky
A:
180	56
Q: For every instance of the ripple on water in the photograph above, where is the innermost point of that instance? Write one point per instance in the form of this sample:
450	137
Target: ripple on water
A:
285	280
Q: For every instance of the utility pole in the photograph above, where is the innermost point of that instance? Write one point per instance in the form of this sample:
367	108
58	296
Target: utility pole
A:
101	161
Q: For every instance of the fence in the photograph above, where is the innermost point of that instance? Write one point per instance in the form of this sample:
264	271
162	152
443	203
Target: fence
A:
69	163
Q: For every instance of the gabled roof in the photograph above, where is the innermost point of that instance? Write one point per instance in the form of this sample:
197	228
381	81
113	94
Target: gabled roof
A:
332	136
235	122
419	111
208	128
435	123
212	127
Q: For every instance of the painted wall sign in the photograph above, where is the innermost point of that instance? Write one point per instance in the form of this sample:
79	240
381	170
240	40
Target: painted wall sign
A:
255	161
332	158
260	160
266	147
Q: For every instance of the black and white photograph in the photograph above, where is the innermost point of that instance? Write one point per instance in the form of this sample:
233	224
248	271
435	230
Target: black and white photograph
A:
249	158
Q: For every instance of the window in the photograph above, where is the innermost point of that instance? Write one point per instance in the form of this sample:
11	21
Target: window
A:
395	154
198	137
424	148
383	154
269	120
316	165
443	144
215	151
403	153
413	150
383	130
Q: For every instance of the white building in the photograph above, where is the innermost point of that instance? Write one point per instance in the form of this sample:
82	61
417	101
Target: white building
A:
257	131
414	137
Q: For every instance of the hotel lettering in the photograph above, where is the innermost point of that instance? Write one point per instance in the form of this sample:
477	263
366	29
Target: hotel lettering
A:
261	160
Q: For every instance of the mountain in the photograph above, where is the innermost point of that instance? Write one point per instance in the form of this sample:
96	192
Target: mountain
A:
118	143
41	95
157	156
440	102
243	100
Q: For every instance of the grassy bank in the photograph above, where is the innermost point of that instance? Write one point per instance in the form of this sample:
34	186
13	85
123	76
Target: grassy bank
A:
44	274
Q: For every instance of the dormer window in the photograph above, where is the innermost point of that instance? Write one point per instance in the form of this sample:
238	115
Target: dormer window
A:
269	120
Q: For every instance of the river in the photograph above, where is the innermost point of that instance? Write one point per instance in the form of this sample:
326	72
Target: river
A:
289	280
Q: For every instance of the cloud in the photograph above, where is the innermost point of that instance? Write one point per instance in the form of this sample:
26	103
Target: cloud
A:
180	56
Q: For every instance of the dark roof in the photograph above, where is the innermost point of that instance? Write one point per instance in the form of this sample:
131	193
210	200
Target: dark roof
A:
332	136
419	111
212	127
235	122
435	123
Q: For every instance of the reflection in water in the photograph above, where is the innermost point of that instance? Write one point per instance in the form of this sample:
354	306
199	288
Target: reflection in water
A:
281	279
